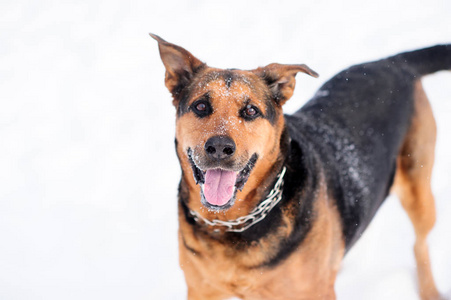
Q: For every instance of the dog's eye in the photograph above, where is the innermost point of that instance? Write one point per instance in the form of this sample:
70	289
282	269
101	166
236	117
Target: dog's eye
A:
201	108
250	112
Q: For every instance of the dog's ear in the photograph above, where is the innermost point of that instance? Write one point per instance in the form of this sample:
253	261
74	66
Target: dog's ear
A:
281	79
181	66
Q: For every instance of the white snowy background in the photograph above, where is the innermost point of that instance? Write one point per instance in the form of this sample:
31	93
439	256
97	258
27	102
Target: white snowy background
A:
88	171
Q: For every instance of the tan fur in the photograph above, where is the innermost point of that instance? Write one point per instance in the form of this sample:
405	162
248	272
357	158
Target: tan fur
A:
309	273
413	185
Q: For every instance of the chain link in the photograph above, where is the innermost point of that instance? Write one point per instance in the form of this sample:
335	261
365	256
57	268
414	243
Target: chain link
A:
255	216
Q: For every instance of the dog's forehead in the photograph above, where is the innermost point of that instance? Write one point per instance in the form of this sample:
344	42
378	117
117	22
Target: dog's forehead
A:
231	84
229	76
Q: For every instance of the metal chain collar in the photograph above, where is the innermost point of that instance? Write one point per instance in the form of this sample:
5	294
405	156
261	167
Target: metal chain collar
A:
255	216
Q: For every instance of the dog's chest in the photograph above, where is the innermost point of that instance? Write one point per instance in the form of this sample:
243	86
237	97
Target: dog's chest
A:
240	272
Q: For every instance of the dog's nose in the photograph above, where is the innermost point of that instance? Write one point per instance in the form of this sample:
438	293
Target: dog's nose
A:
220	147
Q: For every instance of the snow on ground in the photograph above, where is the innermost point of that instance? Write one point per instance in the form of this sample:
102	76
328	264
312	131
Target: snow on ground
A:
88	170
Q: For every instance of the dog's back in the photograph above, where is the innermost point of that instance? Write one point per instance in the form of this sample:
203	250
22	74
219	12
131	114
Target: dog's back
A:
357	123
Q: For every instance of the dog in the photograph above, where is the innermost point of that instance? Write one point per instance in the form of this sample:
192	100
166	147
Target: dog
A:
270	203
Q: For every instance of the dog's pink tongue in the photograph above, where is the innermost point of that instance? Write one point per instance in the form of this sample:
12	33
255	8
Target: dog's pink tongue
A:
219	186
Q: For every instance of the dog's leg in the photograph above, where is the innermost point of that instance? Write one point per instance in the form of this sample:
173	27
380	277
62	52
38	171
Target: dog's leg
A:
413	185
198	287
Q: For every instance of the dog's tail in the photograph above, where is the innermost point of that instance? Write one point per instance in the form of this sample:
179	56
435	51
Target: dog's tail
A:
428	60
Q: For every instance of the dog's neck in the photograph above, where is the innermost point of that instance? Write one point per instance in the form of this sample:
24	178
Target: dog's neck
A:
190	196
256	215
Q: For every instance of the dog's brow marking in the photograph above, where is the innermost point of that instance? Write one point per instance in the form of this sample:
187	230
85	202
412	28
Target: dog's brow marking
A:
228	78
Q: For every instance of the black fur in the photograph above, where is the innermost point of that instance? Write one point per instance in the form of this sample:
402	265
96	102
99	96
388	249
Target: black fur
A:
229	77
271	113
428	60
356	124
301	182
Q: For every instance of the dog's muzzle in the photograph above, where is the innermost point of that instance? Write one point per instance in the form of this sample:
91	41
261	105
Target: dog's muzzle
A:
218	185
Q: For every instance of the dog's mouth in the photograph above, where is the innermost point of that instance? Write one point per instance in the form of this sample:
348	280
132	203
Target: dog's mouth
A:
219	186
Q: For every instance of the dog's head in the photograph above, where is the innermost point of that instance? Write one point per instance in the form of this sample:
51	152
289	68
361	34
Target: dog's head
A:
229	122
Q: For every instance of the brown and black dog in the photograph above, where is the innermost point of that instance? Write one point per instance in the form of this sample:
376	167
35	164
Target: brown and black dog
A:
270	203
